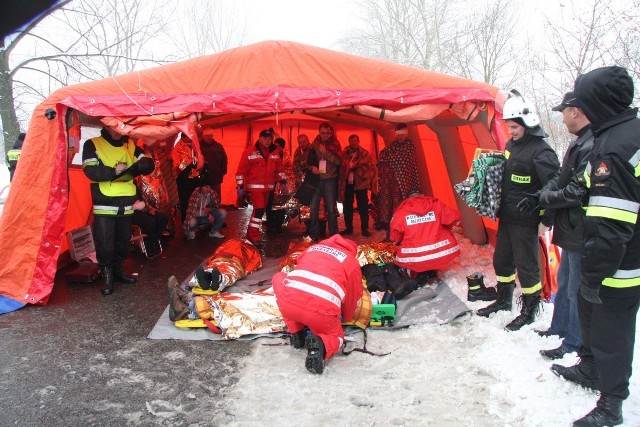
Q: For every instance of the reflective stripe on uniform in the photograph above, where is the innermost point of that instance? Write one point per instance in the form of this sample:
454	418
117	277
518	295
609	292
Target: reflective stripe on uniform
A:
306	274
587	175
613	208
321	293
506	279
257	186
90	162
623	279
532	289
429	256
521	179
112	210
425	248
634	161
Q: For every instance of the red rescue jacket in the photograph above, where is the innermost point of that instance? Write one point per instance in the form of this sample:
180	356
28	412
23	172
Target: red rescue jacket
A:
422	226
257	173
327	279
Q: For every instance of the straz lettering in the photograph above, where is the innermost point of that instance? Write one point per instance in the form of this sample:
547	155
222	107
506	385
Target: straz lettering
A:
415	219
339	255
521	179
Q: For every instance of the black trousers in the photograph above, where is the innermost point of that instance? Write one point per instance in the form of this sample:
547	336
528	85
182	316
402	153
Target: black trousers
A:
517	249
363	207
111	235
608	337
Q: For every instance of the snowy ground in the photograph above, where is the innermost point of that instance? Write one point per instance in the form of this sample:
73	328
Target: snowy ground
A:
468	373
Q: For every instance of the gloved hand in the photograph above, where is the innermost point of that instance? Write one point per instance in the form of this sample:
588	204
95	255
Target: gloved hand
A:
240	192
529	203
590	294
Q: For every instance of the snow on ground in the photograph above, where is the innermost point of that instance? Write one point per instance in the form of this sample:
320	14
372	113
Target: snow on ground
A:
468	373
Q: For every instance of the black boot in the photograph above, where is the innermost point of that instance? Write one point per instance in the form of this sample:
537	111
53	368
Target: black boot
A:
530	307
107	273
505	295
297	339
203	277
608	412
583	374
374	277
120	277
400	286
315	354
477	290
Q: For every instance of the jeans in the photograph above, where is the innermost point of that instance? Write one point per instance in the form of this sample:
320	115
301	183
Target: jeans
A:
328	189
216	219
565	320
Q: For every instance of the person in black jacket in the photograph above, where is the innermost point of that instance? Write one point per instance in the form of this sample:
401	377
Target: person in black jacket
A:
530	164
610	288
566	196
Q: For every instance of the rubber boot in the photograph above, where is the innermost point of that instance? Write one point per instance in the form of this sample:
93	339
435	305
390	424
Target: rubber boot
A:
120	277
505	295
315	354
477	290
374	277
608	412
107	273
530	307
400	286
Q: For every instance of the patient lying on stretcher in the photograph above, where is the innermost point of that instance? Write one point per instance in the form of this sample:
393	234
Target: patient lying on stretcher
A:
232	260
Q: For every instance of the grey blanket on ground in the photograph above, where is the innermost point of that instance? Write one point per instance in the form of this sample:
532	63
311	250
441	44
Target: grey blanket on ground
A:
432	304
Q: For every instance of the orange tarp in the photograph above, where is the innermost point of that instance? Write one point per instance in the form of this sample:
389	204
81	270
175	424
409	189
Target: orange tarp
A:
273	78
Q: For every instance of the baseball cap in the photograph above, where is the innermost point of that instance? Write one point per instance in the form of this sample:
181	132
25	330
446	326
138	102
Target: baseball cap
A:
569	100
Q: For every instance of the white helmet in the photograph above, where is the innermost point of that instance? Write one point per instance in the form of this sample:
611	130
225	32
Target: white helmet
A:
516	107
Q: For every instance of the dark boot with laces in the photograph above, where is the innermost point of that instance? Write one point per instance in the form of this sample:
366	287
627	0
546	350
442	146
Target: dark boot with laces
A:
315	354
608	412
530	307
504	301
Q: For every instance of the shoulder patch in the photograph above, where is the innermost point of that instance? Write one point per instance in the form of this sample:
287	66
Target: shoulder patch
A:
602	171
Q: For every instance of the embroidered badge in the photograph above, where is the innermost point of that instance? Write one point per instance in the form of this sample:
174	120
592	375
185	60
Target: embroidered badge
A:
602	170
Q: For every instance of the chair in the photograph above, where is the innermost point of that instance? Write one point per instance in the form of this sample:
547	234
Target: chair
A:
137	239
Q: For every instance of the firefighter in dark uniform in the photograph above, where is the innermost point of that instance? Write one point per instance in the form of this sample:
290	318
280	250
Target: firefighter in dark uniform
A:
13	155
530	164
104	159
610	288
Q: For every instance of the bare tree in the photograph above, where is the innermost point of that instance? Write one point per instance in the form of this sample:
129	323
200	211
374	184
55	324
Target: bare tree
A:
204	27
411	32
487	46
93	39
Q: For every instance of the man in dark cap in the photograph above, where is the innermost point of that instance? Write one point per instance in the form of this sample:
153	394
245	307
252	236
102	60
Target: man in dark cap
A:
610	288
259	169
566	196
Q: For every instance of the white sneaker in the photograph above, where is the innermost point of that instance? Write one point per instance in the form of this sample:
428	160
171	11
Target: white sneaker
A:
217	235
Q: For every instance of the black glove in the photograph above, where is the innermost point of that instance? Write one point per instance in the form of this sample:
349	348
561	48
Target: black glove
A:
529	203
590	294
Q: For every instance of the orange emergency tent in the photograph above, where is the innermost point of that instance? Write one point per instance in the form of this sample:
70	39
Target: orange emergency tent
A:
285	85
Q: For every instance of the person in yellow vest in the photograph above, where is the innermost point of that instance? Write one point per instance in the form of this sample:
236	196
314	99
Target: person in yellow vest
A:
111	161
14	154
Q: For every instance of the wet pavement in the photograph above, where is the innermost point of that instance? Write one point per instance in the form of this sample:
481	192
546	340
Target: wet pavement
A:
84	359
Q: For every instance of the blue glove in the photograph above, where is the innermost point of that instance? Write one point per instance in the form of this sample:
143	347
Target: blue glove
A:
590	294
240	192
